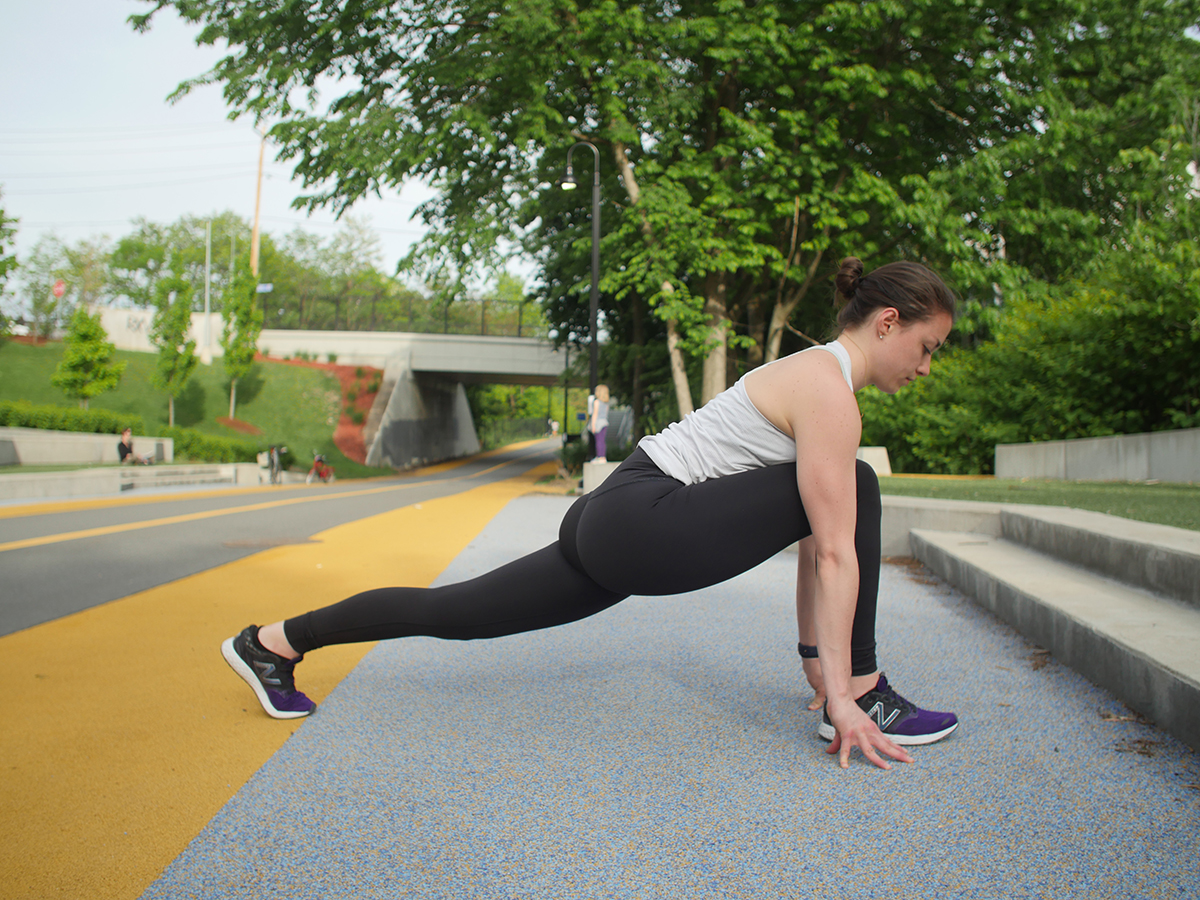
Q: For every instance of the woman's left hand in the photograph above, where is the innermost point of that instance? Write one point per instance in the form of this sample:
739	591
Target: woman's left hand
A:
812	671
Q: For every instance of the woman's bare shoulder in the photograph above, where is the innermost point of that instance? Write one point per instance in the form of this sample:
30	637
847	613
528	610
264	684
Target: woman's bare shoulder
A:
808	378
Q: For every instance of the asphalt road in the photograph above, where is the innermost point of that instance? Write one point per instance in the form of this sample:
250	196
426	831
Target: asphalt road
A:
60	558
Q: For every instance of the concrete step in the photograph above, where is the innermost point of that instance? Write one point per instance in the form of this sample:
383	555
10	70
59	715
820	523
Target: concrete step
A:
1158	558
1143	647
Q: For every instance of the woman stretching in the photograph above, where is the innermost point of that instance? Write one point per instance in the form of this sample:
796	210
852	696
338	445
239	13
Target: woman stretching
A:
769	462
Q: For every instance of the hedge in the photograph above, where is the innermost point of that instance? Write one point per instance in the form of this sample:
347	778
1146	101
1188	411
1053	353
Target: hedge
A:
191	444
23	414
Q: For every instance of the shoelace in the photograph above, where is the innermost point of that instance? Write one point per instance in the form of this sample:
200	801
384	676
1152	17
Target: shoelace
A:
890	693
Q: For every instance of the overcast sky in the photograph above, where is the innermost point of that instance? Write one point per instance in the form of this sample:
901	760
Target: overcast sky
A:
88	141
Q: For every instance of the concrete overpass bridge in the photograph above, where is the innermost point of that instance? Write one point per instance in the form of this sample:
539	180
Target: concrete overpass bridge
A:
421	413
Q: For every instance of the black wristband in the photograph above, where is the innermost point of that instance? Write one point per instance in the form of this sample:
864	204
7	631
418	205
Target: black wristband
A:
806	651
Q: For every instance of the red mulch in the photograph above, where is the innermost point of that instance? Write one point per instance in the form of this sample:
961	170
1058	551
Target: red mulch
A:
238	425
347	436
28	339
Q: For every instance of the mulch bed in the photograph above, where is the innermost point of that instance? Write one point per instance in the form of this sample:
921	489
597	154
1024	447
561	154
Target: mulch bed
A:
347	436
239	425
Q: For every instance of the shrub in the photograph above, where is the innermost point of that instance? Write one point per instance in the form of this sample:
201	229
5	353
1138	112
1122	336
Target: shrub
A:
1112	354
192	444
332	357
359	372
375	383
22	414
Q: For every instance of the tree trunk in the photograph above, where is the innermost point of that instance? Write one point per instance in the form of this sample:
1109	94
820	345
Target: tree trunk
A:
756	327
785	306
639	364
233	397
171	410
715	362
683	391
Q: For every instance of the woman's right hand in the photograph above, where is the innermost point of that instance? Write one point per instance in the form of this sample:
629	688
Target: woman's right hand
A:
856	729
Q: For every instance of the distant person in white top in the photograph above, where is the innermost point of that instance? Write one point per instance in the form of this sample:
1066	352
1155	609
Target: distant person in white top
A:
598	423
767	463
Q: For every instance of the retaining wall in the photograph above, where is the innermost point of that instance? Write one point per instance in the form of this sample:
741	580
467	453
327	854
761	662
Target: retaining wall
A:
1155	456
42	447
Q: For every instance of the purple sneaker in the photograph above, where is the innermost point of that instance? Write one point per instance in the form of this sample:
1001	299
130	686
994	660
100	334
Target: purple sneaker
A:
896	717
268	674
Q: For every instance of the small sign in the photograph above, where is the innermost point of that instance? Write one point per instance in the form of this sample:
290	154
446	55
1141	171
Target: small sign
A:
265	288
60	288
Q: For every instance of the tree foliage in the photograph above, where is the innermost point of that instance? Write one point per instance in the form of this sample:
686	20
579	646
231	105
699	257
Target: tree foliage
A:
45	265
8	259
169	333
1111	353
243	324
87	368
747	146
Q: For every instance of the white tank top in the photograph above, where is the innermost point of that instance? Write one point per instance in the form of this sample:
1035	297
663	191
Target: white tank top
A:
727	435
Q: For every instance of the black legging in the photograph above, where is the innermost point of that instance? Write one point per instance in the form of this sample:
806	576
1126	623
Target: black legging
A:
641	532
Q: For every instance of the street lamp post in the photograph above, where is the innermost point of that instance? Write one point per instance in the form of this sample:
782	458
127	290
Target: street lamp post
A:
569	183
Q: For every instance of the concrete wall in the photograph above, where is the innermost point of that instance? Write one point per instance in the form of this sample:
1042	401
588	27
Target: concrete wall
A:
118	480
426	419
1156	456
41	447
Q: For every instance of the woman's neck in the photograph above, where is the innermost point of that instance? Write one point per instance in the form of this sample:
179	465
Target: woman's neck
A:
860	363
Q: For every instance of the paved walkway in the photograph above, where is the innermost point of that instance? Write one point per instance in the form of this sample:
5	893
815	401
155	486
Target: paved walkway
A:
662	750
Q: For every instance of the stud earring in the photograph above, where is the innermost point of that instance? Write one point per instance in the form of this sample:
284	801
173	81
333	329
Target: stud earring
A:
881	336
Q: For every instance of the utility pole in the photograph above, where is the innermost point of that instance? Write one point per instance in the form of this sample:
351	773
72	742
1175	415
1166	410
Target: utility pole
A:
262	146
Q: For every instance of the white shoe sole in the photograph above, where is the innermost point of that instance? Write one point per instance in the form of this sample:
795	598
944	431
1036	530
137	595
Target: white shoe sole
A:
828	732
247	675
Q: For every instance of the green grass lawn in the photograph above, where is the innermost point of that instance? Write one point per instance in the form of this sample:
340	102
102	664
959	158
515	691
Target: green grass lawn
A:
1164	504
294	406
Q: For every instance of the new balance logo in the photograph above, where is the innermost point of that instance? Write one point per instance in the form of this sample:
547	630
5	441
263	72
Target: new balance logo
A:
877	712
266	670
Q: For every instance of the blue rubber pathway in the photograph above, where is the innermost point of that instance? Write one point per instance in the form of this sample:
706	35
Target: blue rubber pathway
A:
662	750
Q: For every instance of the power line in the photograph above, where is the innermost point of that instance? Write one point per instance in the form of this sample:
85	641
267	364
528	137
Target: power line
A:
131	151
118	132
123	172
128	187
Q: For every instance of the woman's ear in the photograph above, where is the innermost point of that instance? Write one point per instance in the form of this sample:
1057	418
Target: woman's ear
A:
887	319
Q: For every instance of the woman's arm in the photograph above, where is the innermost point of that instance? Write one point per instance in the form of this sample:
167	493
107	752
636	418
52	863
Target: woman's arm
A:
825	422
806	586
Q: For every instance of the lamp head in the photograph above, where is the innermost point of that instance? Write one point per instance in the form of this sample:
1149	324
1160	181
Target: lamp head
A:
569	183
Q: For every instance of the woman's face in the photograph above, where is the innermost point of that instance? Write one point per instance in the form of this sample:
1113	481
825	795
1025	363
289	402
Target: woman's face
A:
905	351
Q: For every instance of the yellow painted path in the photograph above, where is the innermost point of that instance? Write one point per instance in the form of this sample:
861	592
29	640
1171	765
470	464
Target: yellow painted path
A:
123	730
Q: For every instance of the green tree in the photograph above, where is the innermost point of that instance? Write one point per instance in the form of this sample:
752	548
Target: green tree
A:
87	368
8	259
1110	353
155	251
750	145
45	265
243	324
8	262
169	333
86	265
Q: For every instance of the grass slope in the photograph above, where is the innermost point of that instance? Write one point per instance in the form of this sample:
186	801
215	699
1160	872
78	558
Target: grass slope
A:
291	405
1163	504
